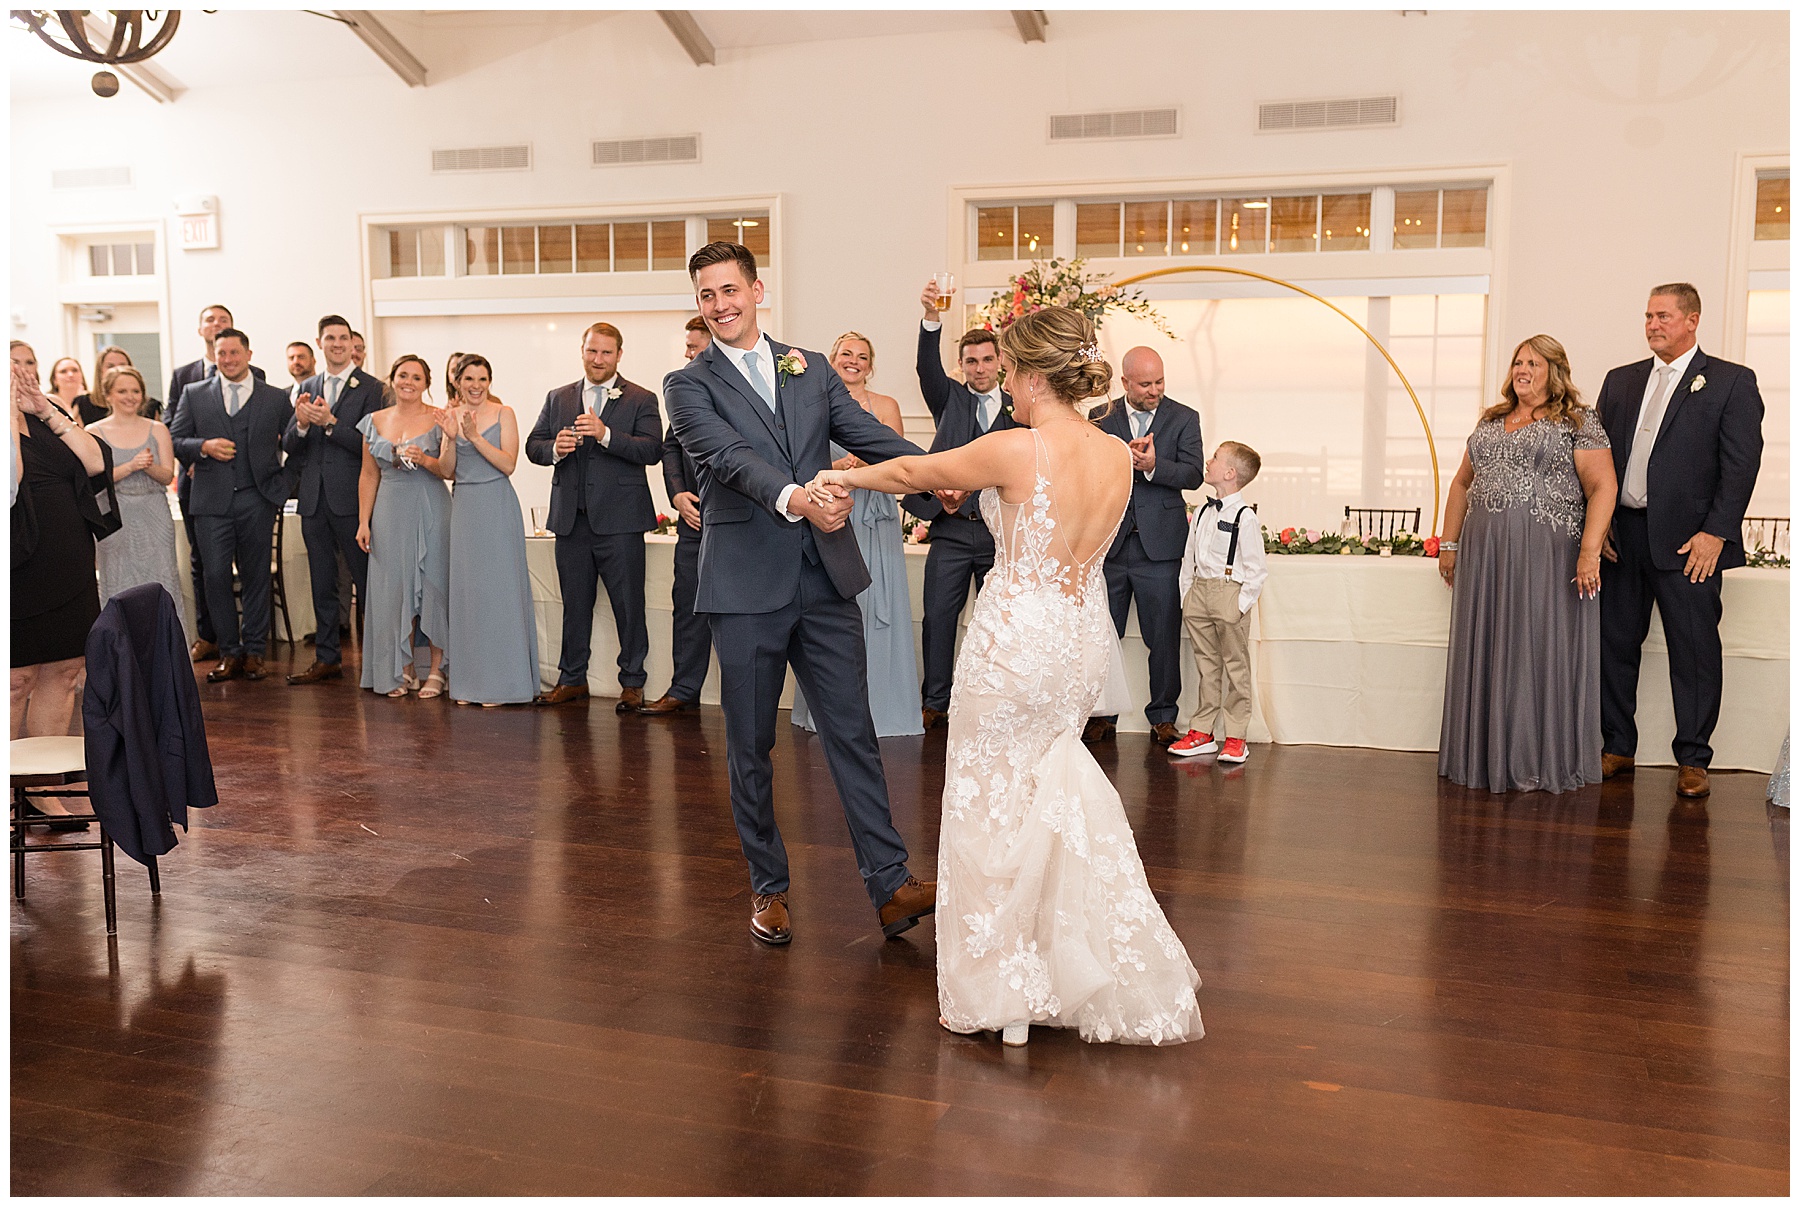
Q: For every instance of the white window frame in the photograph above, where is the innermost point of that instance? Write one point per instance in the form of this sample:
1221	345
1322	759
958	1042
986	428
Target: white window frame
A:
1750	263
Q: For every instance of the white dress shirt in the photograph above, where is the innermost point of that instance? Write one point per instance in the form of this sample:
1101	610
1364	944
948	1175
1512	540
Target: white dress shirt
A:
593	401
765	369
1208	545
244	388
1677	370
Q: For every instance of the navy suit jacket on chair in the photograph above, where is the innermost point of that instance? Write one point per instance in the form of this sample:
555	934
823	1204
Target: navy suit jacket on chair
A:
612	484
202	417
1708	450
750	554
328	466
1157	507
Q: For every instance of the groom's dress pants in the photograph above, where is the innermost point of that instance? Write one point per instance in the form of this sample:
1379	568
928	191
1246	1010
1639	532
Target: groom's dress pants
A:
1690	618
820	634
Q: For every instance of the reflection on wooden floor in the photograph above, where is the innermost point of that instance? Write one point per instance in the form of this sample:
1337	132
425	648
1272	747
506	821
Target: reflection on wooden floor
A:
427	949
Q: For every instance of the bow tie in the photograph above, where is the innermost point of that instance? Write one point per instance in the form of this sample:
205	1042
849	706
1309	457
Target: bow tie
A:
1213	501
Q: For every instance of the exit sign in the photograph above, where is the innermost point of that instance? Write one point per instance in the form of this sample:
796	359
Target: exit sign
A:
199	218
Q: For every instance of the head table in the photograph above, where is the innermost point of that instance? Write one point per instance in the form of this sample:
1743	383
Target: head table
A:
1345	650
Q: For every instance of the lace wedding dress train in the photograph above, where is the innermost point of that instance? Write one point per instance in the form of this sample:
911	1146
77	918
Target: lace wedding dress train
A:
1043	911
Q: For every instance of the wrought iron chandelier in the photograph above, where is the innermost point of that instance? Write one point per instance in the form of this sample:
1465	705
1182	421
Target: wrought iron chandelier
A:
83	34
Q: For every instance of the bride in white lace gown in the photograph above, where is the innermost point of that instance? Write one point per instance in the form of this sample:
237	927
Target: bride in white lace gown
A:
1044	913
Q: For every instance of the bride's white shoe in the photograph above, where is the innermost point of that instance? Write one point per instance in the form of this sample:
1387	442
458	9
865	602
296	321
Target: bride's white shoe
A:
1015	1034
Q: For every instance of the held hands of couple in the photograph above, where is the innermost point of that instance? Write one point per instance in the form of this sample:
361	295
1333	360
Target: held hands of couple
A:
825	501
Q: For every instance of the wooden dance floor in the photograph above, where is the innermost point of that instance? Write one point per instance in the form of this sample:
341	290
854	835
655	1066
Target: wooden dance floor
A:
422	949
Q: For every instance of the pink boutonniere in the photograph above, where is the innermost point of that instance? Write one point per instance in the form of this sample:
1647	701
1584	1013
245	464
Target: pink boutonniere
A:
790	364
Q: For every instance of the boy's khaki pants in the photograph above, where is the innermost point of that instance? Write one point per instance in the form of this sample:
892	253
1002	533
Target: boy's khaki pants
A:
1221	638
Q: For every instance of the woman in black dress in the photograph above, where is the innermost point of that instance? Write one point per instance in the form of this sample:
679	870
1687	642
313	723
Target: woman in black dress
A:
55	593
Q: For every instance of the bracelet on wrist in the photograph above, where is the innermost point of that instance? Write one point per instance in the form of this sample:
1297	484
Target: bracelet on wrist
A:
1447	546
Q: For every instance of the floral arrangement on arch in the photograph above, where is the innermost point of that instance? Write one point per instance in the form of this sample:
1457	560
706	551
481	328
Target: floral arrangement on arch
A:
1311	540
1064	283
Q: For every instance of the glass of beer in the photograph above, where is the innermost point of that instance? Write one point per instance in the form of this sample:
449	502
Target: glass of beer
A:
946	283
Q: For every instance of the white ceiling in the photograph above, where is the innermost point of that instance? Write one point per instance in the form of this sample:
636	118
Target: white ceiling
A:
236	47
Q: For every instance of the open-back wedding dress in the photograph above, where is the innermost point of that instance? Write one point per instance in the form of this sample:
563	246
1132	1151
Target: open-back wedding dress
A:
1044	915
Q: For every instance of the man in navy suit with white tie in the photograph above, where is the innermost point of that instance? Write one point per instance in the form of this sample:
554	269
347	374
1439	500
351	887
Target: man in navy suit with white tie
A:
228	431
213	319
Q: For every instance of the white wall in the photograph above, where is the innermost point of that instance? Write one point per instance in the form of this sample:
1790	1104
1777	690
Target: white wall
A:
1621	133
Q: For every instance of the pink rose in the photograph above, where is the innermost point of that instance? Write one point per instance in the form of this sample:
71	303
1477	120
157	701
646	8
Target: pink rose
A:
799	361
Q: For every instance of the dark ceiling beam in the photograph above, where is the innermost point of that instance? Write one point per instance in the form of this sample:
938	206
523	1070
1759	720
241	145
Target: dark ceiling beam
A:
388	48
693	39
1031	23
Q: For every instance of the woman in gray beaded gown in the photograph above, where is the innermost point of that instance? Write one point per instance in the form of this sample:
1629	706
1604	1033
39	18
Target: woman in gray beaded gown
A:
404	526
1523	528
493	626
887	601
143	551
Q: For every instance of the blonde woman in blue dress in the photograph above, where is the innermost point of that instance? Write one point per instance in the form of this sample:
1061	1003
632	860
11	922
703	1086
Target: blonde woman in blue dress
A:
1044	914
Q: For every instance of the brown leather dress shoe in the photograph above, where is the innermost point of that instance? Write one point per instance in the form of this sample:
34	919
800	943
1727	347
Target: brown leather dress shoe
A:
228	668
931	717
664	705
1164	733
1612	764
910	902
253	667
769	918
1692	781
630	699
562	693
318	672
203	651
1098	729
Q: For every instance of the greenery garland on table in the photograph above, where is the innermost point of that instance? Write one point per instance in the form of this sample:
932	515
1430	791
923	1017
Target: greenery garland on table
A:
1765	558
1311	540
1064	283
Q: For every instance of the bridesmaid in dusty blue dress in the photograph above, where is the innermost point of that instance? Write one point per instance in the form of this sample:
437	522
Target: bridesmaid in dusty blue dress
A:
404	508
493	627
886	603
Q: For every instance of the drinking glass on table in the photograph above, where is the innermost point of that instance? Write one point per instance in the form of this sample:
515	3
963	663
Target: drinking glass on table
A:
946	283
538	516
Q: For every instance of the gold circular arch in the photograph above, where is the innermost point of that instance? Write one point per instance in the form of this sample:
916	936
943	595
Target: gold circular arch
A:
1430	444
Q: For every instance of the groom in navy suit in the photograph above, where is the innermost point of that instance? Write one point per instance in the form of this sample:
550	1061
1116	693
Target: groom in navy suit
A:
779	577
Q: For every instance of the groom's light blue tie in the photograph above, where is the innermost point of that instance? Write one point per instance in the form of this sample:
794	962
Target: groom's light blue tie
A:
756	379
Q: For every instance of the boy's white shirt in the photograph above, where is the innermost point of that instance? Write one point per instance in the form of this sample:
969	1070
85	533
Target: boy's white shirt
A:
1208	545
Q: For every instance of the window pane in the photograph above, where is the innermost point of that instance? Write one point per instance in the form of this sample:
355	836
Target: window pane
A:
1146	228
756	236
482	248
99	260
1246	226
1097	229
403	253
631	246
1196	227
1771	207
1465	218
146	259
668	245
593	248
1344	222
430	242
1415	218
519	246
121	258
1036	226
994	233
556	248
1294	223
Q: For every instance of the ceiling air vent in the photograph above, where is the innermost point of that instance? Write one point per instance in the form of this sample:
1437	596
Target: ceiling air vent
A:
90	178
620	152
1132	123
483	159
1328	115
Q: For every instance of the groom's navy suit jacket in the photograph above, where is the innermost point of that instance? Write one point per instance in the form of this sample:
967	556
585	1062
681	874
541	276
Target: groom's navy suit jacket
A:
750	554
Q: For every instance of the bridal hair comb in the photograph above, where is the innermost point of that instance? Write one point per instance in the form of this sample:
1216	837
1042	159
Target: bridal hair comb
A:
1090	352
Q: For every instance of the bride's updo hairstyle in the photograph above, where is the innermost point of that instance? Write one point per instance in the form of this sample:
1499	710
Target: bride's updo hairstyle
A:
1061	346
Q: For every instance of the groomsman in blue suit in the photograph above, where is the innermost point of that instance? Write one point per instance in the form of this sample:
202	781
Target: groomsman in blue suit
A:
962	549
213	319
690	636
1144	562
228	430
602	434
324	450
